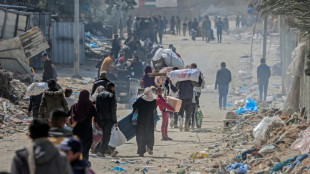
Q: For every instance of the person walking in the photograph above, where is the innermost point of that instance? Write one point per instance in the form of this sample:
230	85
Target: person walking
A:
172	25
219	29
129	23
184	27
263	75
238	21
207	29
145	126
102	81
41	156
161	28
185	89
82	114
178	25
34	105
68	94
48	68
106	117
116	46
52	99
226	24
223	78
164	107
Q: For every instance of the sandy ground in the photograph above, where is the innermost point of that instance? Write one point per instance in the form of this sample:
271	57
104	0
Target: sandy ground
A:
168	156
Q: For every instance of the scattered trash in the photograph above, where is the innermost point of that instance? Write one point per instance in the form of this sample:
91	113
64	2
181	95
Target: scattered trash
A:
250	106
197	155
117	168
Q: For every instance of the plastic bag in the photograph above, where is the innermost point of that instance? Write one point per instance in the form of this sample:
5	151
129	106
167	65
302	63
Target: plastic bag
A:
261	130
184	75
303	142
250	106
97	137
117	138
199	117
135	118
36	89
171	59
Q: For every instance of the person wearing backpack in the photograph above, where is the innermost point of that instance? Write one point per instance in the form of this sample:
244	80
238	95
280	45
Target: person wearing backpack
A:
263	75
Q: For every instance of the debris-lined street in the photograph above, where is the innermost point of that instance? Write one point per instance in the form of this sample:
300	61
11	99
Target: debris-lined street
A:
79	94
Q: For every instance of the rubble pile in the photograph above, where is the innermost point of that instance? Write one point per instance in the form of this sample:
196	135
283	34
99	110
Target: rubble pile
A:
13	118
265	142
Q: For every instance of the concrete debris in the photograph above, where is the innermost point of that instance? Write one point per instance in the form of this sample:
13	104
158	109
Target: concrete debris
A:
239	153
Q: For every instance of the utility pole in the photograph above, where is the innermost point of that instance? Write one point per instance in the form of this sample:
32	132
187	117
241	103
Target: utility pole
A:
120	24
76	35
265	37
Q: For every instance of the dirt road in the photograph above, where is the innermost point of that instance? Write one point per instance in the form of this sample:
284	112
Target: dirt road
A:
168	156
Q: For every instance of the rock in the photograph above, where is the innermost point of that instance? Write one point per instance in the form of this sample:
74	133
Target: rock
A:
181	171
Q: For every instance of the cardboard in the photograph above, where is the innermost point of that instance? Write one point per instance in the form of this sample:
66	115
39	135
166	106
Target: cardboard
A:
175	103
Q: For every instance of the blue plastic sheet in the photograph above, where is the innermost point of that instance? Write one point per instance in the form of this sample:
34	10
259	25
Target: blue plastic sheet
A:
94	46
280	165
117	168
241	168
250	106
300	159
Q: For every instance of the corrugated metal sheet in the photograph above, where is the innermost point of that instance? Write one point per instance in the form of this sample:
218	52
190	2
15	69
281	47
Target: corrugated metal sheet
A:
63	42
43	21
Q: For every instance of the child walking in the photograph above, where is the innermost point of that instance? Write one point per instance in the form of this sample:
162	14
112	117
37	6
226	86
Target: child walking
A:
163	106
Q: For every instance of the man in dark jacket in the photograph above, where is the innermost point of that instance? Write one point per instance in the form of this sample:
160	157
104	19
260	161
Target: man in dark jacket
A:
116	47
41	156
136	68
34	105
263	75
102	81
223	78
106	109
185	89
48	68
57	132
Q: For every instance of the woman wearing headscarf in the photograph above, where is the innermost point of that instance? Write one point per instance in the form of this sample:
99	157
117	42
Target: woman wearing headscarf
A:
147	81
82	113
145	126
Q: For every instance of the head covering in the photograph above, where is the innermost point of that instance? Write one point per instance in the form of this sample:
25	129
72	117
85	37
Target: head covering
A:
148	95
121	59
71	143
147	80
103	75
80	110
44	54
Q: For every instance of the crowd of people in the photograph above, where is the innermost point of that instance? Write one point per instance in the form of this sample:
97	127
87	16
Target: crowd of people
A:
63	143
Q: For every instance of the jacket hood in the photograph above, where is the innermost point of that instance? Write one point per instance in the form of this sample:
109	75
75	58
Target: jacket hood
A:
44	151
54	93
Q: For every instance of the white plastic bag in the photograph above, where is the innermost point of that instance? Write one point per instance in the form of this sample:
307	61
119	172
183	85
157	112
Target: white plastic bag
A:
261	130
117	138
171	59
36	89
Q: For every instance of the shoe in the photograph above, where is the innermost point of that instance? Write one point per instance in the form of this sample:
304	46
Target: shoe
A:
141	155
164	139
150	151
114	153
170	139
99	154
193	127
